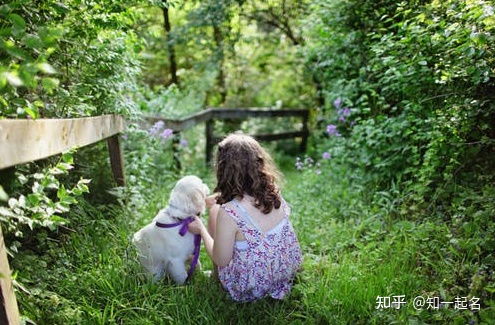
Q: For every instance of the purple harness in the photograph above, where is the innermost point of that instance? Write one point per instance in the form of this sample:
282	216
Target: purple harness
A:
184	223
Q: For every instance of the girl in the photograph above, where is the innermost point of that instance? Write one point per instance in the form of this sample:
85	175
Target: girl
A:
249	237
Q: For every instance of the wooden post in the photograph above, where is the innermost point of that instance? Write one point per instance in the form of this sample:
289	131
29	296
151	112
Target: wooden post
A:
9	313
175	150
209	140
304	140
116	159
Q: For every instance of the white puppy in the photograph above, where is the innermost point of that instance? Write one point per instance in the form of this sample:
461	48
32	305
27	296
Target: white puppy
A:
163	250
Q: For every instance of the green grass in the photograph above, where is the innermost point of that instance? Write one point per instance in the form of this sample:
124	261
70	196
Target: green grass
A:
353	252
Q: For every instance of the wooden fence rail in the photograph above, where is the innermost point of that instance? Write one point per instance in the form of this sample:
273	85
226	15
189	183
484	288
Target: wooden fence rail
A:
22	141
211	114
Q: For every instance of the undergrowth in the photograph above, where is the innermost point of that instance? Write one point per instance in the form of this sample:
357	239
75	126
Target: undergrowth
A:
353	252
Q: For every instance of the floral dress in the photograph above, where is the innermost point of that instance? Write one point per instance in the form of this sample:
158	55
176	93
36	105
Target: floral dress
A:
265	263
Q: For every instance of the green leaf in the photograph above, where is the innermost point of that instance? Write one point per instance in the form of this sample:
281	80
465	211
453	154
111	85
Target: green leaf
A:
50	84
3	83
32	112
46	68
33	199
17	21
32	41
3	194
13	79
67	157
62	193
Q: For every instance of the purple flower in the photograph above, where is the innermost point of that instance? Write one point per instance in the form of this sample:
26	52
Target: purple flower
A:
155	129
337	103
332	130
183	143
342	119
346	111
167	133
299	164
326	155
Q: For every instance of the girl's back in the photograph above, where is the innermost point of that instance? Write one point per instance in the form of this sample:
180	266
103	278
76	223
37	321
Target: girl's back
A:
249	235
266	252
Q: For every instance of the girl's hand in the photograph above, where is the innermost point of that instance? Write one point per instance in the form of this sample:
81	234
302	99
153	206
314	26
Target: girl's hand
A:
211	200
197	226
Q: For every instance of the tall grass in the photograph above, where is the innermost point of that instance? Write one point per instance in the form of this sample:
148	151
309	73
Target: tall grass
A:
352	253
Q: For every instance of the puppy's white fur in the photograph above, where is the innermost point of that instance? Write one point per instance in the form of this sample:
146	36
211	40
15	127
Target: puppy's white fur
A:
162	250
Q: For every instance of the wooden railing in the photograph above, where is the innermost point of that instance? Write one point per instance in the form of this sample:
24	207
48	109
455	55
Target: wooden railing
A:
210	115
22	141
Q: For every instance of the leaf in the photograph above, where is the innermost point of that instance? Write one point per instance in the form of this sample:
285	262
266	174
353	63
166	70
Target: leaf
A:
49	84
12	203
13	79
32	112
67	157
58	219
3	194
33	199
17	21
32	41
3	83
62	193
46	68
6	212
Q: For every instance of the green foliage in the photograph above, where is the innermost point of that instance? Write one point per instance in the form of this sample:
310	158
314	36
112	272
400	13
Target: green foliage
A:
47	201
149	161
400	202
418	79
71	59
354	250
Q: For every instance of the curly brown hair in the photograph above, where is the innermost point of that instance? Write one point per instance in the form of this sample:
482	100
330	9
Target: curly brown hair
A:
244	167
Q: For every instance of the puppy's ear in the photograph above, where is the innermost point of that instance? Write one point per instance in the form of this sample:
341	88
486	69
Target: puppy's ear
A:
198	200
206	190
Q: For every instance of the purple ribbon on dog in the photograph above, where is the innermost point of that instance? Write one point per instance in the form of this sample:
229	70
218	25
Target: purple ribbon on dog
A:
184	223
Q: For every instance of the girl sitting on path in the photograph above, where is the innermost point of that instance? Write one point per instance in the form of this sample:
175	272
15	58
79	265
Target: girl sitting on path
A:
249	237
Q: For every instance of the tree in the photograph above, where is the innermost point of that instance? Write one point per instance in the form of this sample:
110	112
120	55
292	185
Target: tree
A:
170	45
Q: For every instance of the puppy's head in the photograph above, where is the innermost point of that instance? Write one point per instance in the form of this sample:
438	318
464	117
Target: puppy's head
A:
188	197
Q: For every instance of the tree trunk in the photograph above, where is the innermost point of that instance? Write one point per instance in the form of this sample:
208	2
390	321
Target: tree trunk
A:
170	46
320	97
217	34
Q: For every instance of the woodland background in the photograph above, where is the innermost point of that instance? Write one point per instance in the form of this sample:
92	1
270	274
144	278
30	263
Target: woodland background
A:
395	195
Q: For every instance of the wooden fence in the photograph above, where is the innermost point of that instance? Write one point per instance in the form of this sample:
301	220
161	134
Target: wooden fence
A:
210	115
22	141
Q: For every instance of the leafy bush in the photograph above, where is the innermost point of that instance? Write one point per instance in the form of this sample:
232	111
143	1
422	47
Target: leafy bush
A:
68	60
418	79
